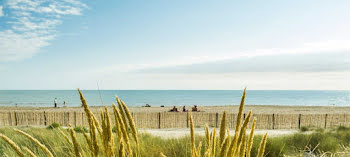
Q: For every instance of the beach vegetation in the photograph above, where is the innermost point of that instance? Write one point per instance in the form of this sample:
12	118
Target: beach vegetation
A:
343	128
53	125
123	139
331	142
102	138
304	128
80	129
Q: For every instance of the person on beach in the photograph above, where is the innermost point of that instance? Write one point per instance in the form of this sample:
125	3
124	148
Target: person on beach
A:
195	109
184	109
64	103
174	109
55	102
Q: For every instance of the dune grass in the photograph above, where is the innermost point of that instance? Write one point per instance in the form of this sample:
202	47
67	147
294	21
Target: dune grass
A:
100	139
123	139
149	145
333	141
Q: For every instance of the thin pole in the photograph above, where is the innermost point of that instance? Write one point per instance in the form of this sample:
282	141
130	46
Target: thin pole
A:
98	87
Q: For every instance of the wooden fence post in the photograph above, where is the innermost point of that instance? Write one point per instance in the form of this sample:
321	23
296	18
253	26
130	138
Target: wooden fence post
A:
10	119
299	121
15	118
325	121
75	119
158	120
216	119
45	121
66	118
273	121
187	120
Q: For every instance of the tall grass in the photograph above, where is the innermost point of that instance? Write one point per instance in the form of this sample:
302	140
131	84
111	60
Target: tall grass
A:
228	147
317	142
13	145
101	141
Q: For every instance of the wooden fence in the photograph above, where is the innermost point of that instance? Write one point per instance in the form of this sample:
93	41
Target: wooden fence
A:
178	120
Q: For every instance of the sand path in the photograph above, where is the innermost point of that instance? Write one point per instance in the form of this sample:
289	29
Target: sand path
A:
178	133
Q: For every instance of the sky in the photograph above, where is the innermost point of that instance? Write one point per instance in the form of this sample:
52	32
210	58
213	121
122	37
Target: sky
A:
157	44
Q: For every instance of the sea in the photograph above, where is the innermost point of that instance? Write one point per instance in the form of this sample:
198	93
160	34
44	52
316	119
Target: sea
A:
45	98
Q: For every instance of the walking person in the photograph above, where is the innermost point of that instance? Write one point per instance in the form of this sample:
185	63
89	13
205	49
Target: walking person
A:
64	103
55	102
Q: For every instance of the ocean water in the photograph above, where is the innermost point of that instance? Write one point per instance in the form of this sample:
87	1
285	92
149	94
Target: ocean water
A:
175	97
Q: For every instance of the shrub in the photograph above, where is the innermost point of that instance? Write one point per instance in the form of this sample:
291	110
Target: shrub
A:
80	129
321	130
304	129
325	142
297	142
53	125
343	128
275	147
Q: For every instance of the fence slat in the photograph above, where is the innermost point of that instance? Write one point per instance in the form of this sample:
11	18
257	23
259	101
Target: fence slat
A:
178	120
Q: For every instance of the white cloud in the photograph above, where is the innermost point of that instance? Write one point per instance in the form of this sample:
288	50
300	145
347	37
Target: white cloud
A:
317	65
323	56
1	12
15	46
313	62
32	25
195	81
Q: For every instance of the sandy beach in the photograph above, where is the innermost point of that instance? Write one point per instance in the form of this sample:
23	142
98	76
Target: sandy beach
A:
257	109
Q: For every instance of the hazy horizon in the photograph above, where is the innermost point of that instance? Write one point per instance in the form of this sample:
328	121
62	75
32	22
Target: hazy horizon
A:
175	97
171	90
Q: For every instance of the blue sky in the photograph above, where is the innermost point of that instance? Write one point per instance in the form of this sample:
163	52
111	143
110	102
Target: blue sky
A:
66	44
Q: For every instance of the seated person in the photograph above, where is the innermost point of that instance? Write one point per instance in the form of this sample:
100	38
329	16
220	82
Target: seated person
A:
184	109
174	109
195	109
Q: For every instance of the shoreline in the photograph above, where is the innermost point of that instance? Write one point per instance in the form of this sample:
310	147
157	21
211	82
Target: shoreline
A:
257	109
